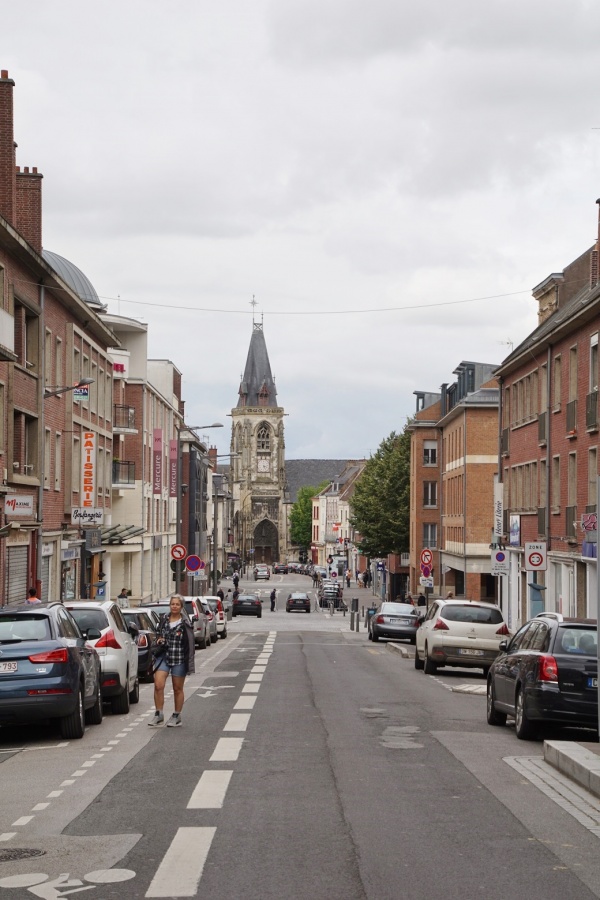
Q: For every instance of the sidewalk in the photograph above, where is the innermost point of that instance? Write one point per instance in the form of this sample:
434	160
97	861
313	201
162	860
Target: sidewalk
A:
578	761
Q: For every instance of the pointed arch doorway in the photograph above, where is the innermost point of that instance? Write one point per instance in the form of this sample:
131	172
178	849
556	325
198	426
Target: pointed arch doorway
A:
266	543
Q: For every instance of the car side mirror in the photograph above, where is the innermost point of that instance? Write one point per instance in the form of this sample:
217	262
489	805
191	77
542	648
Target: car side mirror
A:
133	631
92	634
502	645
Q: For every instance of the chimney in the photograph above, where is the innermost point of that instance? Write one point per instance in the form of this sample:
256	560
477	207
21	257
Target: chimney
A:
212	458
594	255
29	207
8	179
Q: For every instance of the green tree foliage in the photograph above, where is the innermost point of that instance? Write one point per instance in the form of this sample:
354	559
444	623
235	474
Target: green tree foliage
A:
301	515
380	504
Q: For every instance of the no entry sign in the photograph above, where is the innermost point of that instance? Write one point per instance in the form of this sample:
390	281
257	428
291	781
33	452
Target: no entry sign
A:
178	551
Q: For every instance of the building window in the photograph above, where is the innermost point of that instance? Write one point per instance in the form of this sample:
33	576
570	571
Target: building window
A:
58	363
57	460
430	493
76	368
430	536
76	467
594	362
430	453
557	385
263	438
542	493
573	373
592	497
47	456
543	383
572	480
48	358
556	483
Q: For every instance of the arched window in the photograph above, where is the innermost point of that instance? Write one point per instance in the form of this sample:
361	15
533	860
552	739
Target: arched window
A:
263	438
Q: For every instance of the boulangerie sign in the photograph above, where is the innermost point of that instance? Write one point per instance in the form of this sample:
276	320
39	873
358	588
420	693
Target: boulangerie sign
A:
157	460
88	469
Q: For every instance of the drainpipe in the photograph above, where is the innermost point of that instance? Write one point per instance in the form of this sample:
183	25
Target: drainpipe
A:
42	445
465	494
548	446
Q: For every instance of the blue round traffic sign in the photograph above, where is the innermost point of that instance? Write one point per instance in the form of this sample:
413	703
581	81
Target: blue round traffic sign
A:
193	563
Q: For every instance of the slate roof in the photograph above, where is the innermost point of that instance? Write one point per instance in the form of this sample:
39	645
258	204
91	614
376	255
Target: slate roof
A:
257	374
75	278
304	472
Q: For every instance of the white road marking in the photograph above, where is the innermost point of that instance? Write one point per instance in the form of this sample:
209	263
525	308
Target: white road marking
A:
113	743
227	750
237	722
245	703
98	756
78	773
24	820
67	782
106	749
210	791
256	670
54	794
250	689
182	865
39	807
88	764
121	734
253	677
7	835
206	694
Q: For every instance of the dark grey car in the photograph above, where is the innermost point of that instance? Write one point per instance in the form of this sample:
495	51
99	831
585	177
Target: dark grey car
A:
395	621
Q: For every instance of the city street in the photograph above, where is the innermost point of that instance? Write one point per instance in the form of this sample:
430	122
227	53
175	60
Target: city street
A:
310	764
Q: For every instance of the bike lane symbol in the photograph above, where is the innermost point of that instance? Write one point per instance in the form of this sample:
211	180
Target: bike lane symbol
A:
63	885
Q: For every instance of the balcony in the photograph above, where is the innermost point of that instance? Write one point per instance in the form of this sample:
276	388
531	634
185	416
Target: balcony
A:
572	418
123	473
504	446
591	411
542	432
123	418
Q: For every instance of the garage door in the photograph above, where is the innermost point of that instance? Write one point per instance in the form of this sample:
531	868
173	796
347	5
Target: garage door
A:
16	575
45	578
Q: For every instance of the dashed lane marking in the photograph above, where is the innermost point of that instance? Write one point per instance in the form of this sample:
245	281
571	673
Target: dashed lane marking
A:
237	722
245	703
227	750
181	868
254	677
210	791
250	689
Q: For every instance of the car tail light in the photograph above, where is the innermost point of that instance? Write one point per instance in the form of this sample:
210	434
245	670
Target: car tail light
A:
257	602
209	616
548	668
109	640
35	692
51	656
219	606
110	682
142	640
379	619
440	625
503	629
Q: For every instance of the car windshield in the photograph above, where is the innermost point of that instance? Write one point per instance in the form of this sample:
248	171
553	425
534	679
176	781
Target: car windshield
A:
24	628
213	604
405	609
470	612
578	641
89	618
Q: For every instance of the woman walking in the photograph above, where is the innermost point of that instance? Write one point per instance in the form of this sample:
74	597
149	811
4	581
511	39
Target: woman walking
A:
174	657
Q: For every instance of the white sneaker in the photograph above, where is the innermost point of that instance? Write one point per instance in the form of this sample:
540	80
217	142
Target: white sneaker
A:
157	719
174	721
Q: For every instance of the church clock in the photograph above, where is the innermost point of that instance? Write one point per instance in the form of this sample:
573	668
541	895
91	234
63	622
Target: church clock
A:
262	465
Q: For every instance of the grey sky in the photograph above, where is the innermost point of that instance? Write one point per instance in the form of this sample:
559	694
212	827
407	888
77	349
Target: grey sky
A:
328	157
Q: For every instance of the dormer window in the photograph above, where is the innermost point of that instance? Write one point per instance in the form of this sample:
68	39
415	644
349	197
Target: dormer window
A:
263	396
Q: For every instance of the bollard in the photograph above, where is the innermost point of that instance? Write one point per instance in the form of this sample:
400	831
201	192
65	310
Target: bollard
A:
358	623
352	621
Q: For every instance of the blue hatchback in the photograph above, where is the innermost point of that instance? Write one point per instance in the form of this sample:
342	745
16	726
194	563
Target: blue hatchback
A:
47	669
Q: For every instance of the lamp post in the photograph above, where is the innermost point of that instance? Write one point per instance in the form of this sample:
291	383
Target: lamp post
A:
46	392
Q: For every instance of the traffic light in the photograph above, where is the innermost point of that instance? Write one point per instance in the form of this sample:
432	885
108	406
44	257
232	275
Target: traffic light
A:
178	569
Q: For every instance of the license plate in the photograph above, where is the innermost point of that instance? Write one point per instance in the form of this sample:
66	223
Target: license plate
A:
399	621
246	603
471	652
6	667
593	682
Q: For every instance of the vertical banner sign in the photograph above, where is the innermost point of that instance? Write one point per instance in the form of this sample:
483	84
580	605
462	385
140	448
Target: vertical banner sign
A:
157	461
498	508
88	469
172	468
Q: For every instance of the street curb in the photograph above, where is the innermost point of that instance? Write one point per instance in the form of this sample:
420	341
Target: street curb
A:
397	648
574	761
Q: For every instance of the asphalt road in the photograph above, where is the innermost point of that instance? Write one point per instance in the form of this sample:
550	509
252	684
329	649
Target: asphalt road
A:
311	764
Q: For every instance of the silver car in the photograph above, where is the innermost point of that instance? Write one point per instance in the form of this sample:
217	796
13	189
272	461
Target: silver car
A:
395	621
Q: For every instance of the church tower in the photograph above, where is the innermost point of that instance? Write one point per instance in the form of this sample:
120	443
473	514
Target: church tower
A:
258	466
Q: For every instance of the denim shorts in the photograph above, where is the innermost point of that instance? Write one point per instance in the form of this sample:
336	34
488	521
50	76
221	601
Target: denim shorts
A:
178	671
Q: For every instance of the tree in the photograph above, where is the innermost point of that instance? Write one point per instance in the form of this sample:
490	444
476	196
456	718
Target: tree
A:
301	515
380	504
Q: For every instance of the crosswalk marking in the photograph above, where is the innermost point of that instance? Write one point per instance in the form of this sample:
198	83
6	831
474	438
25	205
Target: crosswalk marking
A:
237	722
227	750
210	791
181	868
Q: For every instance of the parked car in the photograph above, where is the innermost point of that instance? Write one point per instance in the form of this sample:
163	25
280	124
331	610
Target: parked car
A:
330	592
293	567
280	569
145	640
546	673
262	571
461	633
247	605
193	608
297	601
116	648
395	621
48	670
211	620
218	611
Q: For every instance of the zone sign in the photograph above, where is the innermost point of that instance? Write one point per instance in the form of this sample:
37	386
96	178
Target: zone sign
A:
535	556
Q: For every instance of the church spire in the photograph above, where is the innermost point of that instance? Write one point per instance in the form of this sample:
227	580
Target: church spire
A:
257	387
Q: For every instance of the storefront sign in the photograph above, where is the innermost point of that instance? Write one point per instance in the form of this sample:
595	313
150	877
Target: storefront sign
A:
88	469
91	516
498	508
172	468
18	505
157	454
93	539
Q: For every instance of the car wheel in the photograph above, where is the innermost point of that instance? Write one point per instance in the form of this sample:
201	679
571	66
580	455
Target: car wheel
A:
413	639
486	670
93	715
493	716
523	726
369	634
224	634
119	705
418	661
374	635
429	666
259	615
202	642
134	695
214	638
73	725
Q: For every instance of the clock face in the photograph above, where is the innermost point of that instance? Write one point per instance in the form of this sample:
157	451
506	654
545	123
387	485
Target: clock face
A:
263	465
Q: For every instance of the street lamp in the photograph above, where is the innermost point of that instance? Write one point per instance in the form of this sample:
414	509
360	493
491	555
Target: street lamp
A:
47	392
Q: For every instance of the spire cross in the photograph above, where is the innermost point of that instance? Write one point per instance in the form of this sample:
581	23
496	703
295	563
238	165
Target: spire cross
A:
253	303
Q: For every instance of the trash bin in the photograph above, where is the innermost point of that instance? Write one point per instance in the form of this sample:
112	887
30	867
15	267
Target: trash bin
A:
371	612
354	605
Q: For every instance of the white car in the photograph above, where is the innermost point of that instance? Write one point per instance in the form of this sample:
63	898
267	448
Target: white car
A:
219	613
116	648
465	633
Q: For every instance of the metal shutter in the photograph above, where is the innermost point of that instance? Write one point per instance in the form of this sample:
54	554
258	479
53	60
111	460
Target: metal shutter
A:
45	578
16	575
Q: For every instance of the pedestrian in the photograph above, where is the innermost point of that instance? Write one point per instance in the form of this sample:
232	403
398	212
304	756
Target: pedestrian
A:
175	657
235	595
348	577
236	580
360	580
421	600
220	594
409	599
273	599
315	579
450	595
32	597
123	597
356	575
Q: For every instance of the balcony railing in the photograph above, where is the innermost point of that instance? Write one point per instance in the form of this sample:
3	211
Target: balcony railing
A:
542	433
123	472
124	416
504	446
571	522
591	410
572	417
541	520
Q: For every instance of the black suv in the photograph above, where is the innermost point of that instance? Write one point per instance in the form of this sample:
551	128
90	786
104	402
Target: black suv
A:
546	673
